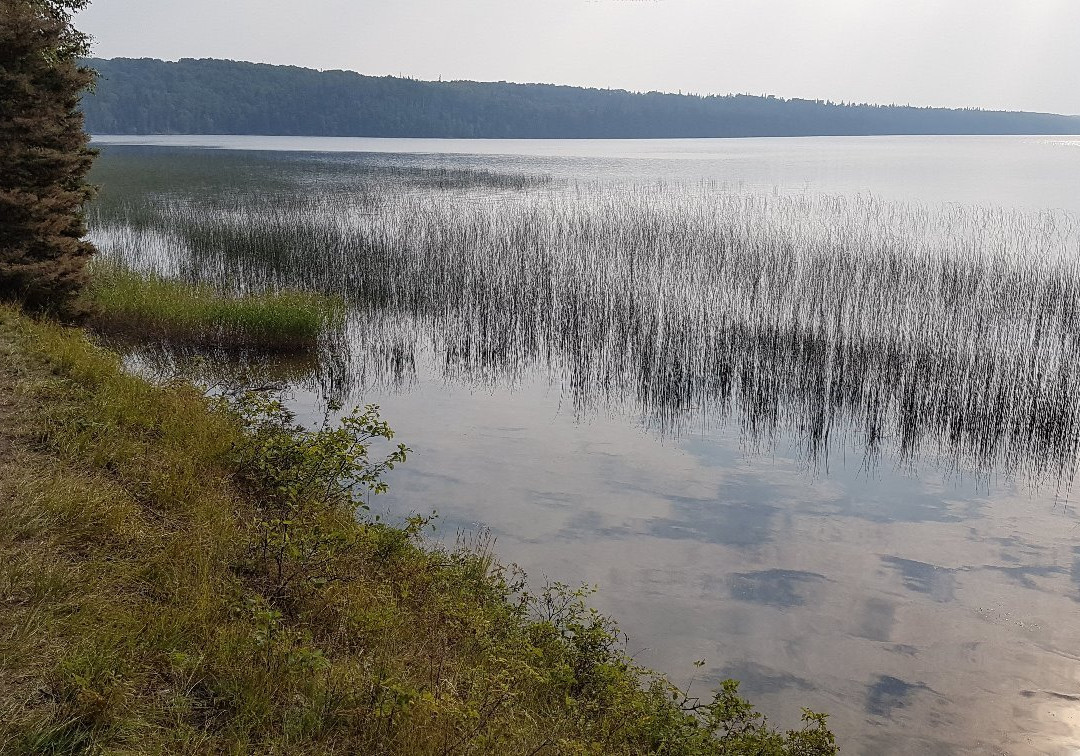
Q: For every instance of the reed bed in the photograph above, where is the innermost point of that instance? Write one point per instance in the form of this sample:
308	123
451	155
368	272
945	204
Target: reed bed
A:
945	333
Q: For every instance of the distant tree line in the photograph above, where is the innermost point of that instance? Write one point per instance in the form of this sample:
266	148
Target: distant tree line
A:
148	96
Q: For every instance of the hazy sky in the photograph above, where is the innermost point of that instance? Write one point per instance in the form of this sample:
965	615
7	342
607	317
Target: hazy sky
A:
1008	54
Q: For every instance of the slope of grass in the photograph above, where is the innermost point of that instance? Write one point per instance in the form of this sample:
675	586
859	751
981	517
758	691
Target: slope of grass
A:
182	576
128	303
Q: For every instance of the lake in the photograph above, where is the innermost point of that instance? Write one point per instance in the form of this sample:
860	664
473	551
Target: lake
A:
806	409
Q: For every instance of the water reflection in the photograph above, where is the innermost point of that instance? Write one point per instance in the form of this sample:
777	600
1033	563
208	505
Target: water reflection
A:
877	619
937	582
889	693
756	679
781	588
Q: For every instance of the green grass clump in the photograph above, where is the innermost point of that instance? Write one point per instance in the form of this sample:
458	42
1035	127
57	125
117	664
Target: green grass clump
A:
148	306
183	575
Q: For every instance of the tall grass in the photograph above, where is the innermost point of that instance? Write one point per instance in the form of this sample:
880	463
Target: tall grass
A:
150	306
948	333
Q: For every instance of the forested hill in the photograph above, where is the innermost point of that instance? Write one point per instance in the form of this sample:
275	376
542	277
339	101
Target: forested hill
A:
147	96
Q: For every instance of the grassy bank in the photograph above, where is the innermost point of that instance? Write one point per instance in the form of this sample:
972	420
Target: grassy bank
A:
182	576
143	305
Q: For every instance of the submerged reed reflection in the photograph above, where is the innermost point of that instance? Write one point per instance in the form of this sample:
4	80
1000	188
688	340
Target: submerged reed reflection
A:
944	333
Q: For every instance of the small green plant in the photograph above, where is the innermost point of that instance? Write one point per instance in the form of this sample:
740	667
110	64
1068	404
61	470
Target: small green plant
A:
304	482
276	644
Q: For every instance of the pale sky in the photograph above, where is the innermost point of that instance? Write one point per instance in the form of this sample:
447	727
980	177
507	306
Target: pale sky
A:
999	54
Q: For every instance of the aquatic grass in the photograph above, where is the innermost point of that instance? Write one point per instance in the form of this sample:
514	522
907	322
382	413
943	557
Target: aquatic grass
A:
129	303
943	333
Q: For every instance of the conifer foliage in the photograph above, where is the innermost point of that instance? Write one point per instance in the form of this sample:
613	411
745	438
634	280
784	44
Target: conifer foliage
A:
44	155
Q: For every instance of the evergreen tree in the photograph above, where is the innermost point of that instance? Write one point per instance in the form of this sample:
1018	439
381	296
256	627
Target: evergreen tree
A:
44	156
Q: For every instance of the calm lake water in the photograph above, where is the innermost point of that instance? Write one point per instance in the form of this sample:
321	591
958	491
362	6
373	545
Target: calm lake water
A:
806	409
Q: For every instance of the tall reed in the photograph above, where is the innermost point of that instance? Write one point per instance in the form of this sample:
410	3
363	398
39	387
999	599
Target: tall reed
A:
945	332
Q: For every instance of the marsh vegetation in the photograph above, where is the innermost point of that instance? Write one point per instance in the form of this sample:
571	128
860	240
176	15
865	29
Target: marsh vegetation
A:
142	307
947	334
